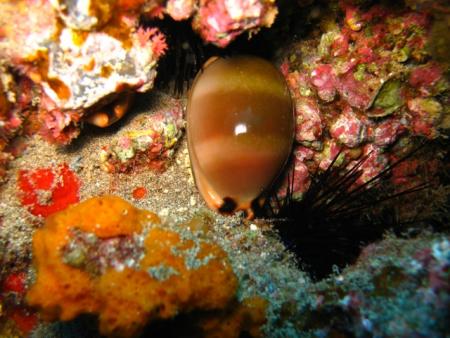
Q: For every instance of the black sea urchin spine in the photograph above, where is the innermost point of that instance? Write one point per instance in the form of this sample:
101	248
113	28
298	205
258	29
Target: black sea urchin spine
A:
336	216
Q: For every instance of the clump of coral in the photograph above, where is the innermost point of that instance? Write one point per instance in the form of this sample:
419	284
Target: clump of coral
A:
220	22
365	87
84	66
150	146
105	257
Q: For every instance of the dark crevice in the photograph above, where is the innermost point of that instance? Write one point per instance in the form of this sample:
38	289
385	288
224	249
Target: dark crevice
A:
187	52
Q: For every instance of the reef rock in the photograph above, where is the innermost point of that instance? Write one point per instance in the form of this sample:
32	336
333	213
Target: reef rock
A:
81	71
362	83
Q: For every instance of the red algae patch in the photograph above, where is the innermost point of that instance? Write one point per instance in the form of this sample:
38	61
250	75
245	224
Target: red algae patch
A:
139	193
24	320
82	255
17	318
45	191
15	282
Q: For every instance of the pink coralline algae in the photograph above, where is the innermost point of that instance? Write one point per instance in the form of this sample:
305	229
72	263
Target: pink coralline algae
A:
357	92
58	125
180	9
386	132
425	77
309	123
300	180
375	163
330	152
366	82
348	129
221	21
324	79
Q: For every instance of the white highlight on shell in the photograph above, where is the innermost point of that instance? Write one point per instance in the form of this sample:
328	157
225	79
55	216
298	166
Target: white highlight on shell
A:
240	128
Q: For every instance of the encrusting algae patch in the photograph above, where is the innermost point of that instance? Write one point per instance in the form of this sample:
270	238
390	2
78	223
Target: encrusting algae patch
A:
44	191
104	256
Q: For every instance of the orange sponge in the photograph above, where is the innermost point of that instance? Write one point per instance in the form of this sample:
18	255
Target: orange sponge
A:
106	257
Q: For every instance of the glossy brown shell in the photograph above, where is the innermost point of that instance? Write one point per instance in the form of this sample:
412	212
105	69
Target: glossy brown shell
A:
240	127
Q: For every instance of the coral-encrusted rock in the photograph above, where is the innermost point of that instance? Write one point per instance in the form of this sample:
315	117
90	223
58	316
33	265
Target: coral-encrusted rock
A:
221	21
348	129
102	65
84	15
376	162
425	77
4	104
84	253
26	27
387	132
330	150
151	145
308	121
4	108
300	180
366	80
81	70
426	113
180	9
324	79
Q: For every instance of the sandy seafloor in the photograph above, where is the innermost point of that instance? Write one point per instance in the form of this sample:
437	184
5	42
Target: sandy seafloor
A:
260	261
